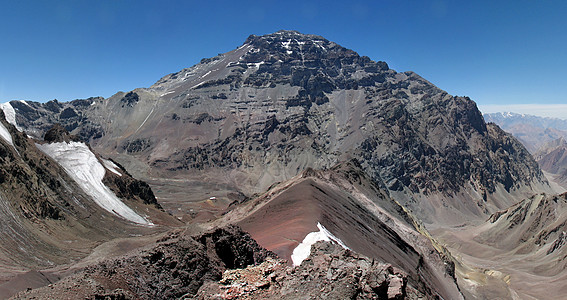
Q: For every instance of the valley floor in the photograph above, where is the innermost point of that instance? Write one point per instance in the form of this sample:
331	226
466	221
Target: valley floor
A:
491	273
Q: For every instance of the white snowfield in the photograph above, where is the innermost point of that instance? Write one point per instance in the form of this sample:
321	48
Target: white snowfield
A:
302	251
5	134
83	166
11	118
10	114
111	166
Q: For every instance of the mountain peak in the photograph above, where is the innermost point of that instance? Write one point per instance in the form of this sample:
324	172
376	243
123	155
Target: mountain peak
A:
284	35
288	44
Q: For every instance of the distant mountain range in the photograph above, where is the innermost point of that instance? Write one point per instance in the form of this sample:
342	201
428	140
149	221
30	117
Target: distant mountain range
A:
532	131
508	119
543	137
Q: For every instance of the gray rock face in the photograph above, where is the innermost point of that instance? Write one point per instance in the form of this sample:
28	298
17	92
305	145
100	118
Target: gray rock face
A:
57	134
286	101
37	118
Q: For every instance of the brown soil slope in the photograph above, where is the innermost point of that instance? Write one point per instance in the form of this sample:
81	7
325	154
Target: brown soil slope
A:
342	201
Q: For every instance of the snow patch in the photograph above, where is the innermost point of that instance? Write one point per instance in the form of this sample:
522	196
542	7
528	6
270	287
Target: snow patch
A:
10	114
111	166
256	65
5	134
167	93
26	103
197	85
302	251
83	166
318	43
206	74
286	44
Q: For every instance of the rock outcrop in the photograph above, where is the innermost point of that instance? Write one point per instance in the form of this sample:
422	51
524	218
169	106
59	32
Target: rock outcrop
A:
330	272
58	133
176	267
346	204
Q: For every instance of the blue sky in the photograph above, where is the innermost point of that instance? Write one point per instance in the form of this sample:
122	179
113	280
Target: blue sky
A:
496	52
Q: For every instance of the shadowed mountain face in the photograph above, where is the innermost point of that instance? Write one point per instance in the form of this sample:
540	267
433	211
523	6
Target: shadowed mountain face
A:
286	101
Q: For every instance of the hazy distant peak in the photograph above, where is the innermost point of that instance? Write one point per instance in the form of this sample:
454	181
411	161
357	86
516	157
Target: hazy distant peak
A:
506	119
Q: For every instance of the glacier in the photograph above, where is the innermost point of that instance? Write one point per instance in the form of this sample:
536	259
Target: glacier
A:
83	166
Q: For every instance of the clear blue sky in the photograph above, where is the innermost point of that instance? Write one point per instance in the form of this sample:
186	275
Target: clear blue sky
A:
496	52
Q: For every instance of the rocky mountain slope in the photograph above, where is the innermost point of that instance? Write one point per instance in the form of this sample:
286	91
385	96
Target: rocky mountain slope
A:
330	272
536	222
552	157
173	268
283	102
296	140
49	218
